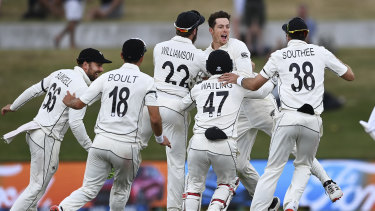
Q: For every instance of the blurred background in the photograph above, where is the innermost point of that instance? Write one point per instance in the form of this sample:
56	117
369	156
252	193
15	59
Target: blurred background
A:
37	38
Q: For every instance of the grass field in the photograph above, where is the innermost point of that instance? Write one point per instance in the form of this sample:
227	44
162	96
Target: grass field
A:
167	10
343	136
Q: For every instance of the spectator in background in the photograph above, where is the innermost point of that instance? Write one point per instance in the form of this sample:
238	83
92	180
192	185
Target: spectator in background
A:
238	6
42	8
108	9
73	13
254	19
303	13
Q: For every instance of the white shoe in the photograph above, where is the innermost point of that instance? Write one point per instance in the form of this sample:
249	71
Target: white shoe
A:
275	204
291	206
333	190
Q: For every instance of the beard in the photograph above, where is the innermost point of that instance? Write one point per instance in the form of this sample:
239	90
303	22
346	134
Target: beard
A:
194	38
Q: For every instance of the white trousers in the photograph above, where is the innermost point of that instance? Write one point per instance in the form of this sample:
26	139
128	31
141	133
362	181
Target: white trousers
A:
44	162
175	127
255	115
204	153
292	129
124	157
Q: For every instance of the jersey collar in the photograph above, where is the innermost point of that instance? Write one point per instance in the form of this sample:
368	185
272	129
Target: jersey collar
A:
130	66
296	42
84	75
182	39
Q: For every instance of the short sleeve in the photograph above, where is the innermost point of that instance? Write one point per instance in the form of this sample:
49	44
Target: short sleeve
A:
93	92
333	63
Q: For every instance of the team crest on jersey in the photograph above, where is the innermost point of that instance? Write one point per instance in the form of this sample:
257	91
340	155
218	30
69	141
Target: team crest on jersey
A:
218	69
244	55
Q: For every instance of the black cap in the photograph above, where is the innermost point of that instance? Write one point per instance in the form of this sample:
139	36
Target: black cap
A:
295	25
188	20
133	49
219	62
92	55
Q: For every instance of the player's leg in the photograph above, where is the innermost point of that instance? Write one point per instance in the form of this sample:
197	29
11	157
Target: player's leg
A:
198	166
44	152
126	170
97	170
307	145
282	143
175	127
332	189
246	172
225	168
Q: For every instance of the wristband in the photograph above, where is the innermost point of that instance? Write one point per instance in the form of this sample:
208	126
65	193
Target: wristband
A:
159	139
239	80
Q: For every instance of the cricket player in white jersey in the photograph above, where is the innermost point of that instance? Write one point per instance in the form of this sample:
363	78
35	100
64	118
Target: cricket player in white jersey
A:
215	130
46	131
300	67
255	113
123	93
177	63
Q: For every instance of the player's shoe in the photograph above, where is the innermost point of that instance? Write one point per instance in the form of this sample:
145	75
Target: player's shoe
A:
291	206
55	208
275	204
333	190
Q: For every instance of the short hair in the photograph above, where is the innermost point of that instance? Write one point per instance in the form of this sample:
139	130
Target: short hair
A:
299	35
184	34
216	15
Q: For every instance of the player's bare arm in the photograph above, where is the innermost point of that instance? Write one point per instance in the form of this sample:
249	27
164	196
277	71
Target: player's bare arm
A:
6	109
73	102
247	83
349	75
156	125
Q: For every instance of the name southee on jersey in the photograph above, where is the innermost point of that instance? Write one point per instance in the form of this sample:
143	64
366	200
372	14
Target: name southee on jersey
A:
180	54
298	53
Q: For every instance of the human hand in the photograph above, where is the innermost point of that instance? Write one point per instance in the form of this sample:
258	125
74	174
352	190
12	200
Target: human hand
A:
166	142
69	98
229	78
6	109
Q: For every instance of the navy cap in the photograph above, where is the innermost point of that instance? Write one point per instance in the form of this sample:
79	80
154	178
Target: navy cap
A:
188	20
92	55
295	25
219	62
133	49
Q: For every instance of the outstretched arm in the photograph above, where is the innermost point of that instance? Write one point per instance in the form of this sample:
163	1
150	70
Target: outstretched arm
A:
73	102
247	83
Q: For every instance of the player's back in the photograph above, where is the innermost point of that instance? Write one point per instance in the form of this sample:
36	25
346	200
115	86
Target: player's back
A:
301	69
122	100
177	62
53	114
217	105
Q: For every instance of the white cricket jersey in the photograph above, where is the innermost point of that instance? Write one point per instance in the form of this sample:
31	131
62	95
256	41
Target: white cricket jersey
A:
177	63
218	104
301	69
240	55
53	115
123	93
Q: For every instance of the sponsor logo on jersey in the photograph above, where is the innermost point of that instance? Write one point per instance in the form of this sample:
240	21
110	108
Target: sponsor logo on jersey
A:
244	55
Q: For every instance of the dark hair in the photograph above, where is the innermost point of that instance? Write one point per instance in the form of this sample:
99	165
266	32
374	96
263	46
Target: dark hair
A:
184	34
300	35
216	15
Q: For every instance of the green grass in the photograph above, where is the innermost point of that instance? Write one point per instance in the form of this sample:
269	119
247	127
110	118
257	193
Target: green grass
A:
343	136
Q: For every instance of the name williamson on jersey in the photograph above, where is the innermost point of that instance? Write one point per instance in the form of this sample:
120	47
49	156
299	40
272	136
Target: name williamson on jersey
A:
177	53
